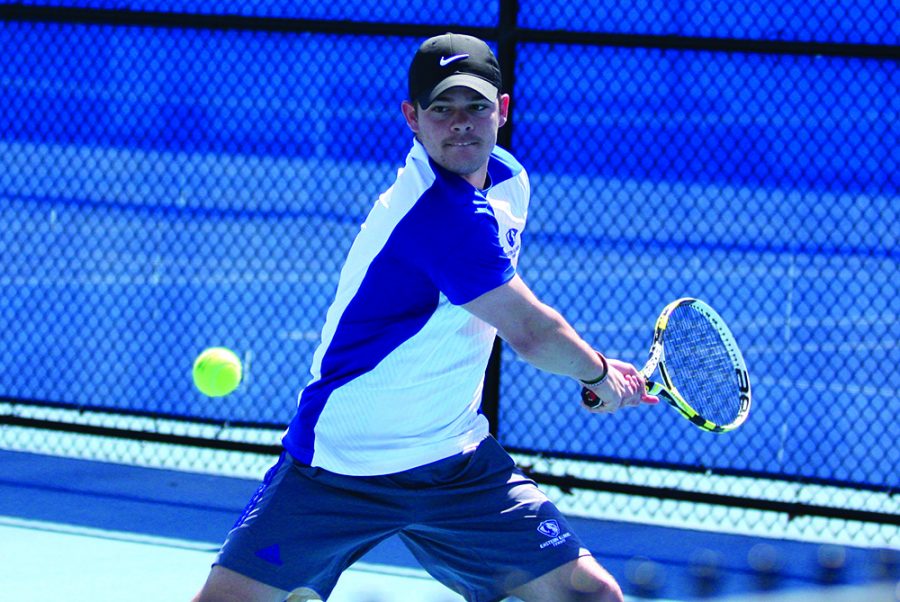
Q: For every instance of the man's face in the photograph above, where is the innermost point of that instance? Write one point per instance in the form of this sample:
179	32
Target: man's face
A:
459	130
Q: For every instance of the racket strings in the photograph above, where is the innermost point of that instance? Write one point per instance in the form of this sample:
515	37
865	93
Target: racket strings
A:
698	364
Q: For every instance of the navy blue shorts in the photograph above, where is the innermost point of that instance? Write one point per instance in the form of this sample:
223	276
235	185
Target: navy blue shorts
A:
473	521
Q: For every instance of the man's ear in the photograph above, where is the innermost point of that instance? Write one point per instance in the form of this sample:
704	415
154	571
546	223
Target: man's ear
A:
411	115
504	109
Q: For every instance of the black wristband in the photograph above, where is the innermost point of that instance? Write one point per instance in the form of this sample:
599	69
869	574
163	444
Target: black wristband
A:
602	377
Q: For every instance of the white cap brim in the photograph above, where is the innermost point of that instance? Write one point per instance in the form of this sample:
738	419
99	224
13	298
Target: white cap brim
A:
466	80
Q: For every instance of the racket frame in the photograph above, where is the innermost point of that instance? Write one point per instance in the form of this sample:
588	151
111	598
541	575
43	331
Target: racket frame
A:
667	390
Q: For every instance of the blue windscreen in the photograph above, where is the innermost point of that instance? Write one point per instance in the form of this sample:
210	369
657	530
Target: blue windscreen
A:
421	12
163	190
763	185
839	21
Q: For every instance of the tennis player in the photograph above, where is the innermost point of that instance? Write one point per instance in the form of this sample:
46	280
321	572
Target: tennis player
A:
388	438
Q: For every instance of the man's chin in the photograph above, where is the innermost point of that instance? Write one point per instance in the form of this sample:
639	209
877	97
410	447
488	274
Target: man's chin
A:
465	166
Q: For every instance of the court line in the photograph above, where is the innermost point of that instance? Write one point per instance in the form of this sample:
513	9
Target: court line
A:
171	542
127	536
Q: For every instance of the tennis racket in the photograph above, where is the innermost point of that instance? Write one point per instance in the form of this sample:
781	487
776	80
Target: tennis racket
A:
703	373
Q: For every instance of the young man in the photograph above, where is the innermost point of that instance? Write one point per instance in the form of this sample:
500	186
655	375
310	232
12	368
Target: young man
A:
388	438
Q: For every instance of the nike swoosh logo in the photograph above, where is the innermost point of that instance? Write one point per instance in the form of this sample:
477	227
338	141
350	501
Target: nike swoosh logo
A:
447	60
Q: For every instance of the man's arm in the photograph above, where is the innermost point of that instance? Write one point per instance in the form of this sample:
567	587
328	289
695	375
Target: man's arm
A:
543	338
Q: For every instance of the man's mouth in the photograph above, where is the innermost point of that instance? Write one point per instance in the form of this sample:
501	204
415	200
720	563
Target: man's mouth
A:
462	143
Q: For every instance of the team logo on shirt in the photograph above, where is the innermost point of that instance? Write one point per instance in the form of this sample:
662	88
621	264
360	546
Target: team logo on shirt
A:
551	529
512	239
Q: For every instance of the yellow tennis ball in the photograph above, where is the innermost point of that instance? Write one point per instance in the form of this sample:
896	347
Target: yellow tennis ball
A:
217	371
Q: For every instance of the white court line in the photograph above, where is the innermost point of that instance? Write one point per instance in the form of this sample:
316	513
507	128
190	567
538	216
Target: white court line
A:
82	531
43	560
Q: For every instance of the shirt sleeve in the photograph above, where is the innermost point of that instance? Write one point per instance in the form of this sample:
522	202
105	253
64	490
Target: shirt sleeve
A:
458	246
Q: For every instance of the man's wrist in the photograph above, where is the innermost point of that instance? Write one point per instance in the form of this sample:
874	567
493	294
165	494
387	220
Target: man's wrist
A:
602	377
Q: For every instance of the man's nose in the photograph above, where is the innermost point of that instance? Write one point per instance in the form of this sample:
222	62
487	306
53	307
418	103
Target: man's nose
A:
461	122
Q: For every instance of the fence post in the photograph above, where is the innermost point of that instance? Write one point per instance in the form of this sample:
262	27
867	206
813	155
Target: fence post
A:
506	55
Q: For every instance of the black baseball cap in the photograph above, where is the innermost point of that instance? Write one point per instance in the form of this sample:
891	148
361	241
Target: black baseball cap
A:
449	60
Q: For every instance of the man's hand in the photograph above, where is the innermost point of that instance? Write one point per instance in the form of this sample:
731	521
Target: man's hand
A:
623	387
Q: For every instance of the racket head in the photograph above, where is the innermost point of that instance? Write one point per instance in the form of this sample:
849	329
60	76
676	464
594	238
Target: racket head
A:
703	371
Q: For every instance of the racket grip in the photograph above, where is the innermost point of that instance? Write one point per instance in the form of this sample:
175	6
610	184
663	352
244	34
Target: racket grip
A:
589	398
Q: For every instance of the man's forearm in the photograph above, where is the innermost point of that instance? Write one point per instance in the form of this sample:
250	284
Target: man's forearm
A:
551	344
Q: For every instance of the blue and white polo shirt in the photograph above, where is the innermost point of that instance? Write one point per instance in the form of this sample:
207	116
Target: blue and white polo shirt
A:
397	378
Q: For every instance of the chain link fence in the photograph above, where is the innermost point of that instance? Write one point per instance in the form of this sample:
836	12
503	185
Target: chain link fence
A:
166	187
